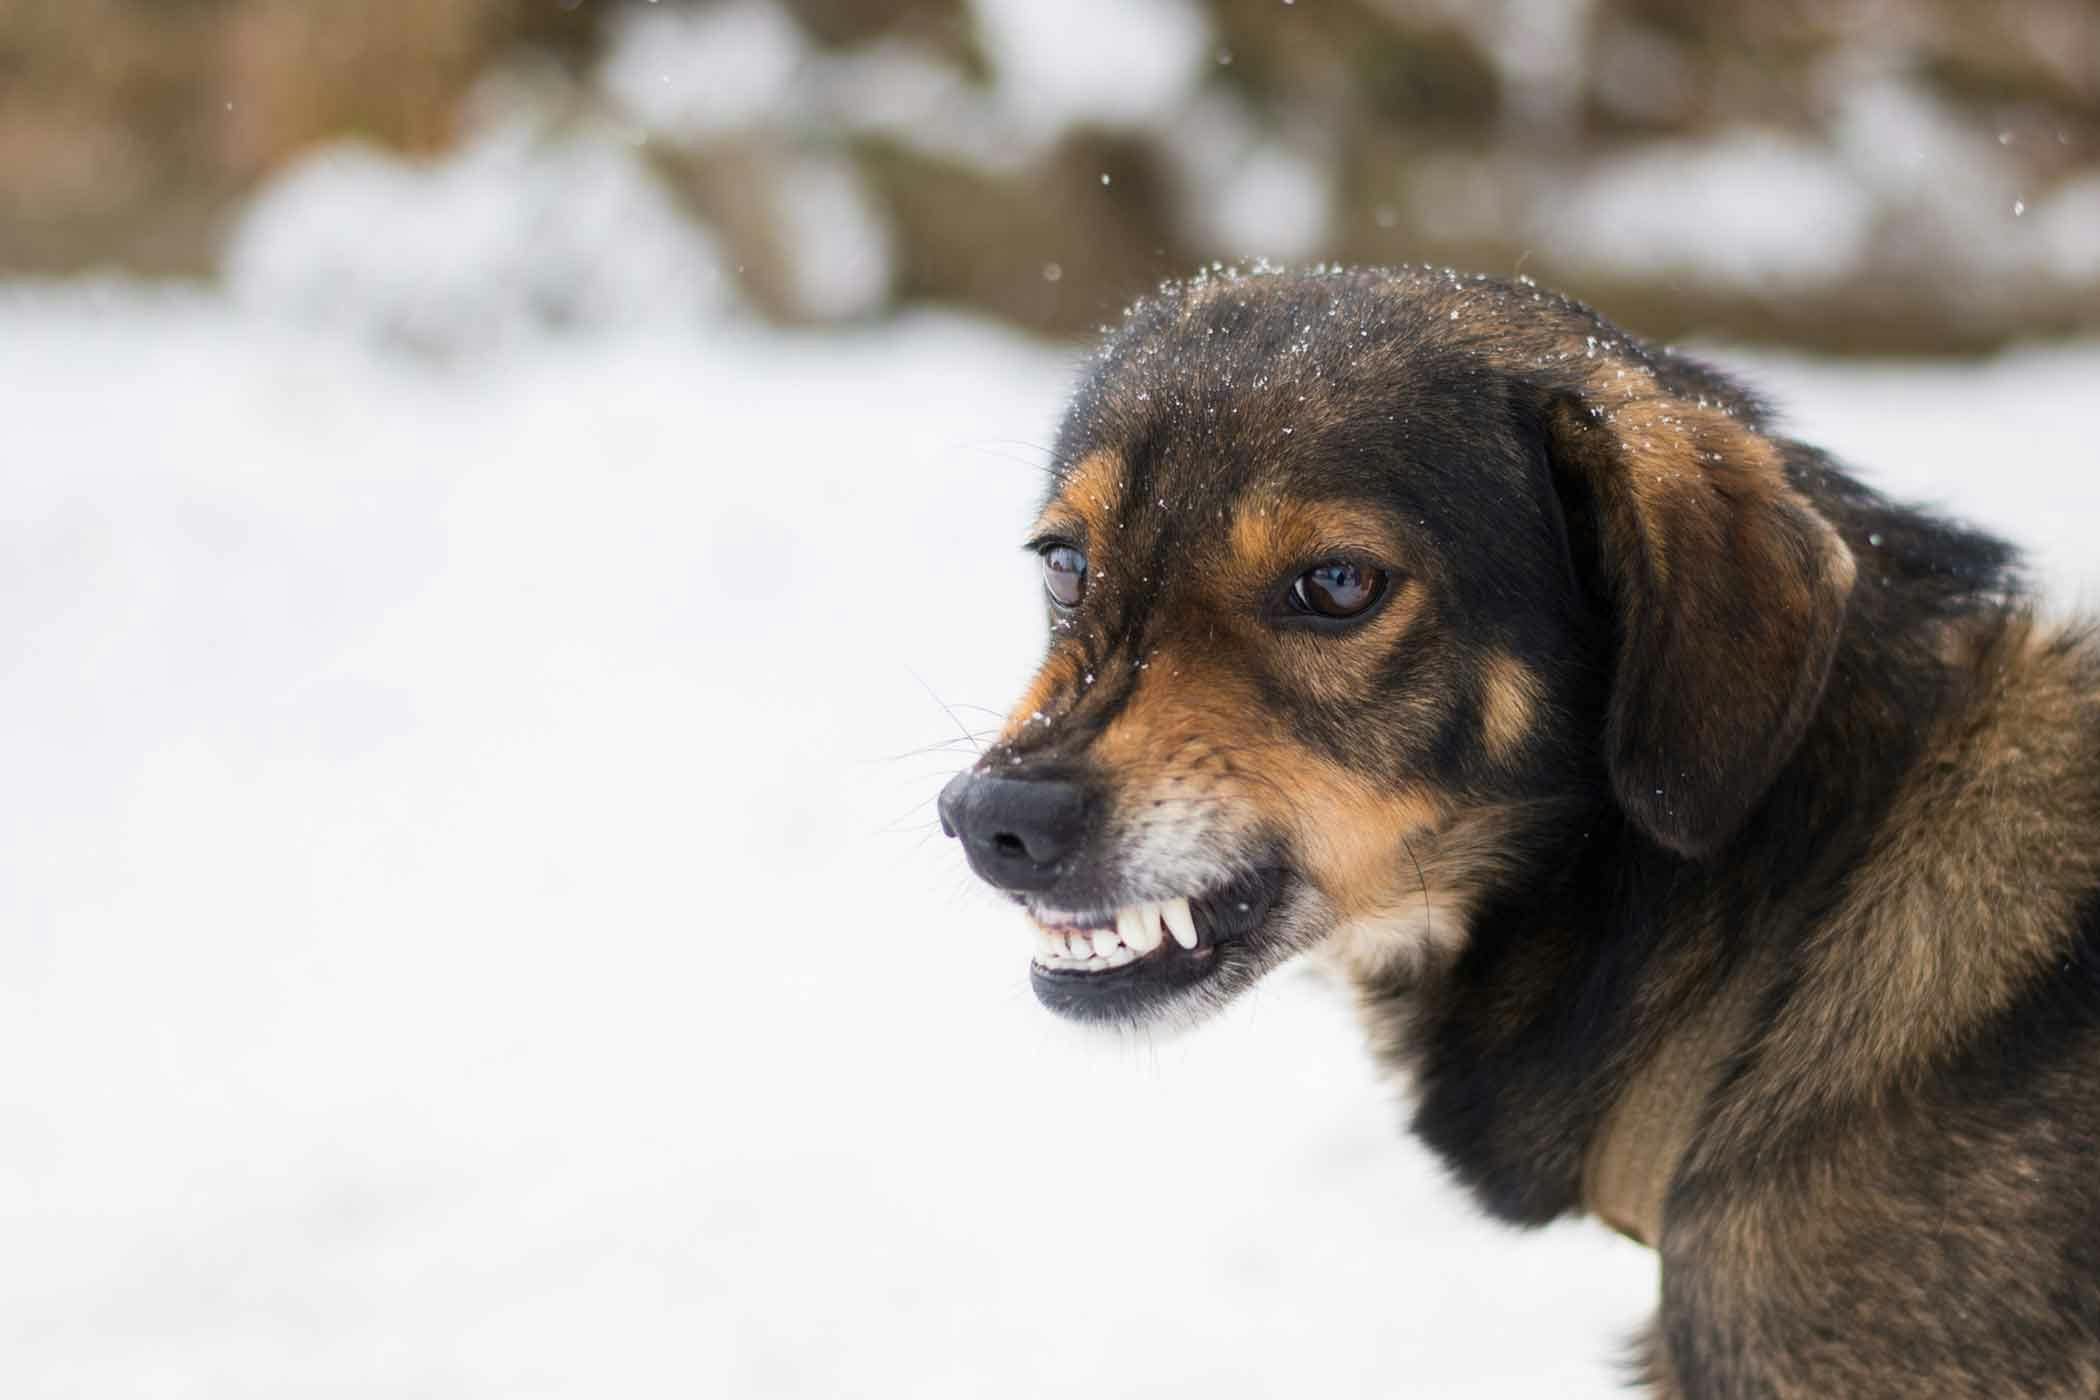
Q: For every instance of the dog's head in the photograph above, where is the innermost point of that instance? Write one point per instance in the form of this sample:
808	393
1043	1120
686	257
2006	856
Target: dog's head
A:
1354	580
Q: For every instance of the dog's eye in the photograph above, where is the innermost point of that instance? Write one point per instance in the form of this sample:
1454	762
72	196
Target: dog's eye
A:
1064	575
1337	589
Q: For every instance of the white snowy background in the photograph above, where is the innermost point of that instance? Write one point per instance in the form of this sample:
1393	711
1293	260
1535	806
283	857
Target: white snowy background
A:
469	929
473	922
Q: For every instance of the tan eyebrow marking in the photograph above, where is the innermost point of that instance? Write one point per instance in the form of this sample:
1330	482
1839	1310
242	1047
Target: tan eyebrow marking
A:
1269	534
1509	695
1089	495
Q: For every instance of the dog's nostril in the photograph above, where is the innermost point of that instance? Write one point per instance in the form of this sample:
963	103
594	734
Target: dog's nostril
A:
1018	832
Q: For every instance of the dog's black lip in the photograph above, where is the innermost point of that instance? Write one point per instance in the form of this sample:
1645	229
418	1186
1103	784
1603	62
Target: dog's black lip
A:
1225	916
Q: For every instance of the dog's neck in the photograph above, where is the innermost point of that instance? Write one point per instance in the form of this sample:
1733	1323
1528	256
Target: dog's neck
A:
1643	1137
1565	1056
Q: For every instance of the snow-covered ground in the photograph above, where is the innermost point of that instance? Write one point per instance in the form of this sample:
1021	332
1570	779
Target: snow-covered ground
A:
473	923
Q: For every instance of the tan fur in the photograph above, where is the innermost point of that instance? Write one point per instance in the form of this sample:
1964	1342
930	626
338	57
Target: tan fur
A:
1348	833
1091	491
1754	1012
1642	1141
1273	531
1272	534
1057	683
1422	919
1967	893
1509	693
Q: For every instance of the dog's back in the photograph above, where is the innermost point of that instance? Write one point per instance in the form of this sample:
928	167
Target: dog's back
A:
1891	1184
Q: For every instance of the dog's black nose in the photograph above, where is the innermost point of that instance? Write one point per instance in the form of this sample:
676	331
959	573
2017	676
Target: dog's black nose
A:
1017	832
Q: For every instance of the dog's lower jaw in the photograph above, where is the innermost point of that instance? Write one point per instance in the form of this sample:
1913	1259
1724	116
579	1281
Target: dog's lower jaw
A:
1247	928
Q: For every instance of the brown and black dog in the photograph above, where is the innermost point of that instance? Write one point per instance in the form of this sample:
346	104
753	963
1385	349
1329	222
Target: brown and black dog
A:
1714	842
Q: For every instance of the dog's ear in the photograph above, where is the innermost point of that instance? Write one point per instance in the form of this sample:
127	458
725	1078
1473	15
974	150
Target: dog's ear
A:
1727	592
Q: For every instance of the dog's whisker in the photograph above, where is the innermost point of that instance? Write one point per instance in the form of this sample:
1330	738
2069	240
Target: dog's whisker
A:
972	740
947	710
1428	918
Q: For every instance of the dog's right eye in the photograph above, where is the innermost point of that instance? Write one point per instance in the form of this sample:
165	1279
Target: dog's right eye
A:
1064	575
1337	590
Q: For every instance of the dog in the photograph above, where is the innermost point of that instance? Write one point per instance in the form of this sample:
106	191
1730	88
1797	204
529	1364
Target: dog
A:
1713	842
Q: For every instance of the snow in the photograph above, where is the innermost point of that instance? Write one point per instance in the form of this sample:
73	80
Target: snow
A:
1891	183
2064	227
1998	442
1093	62
1251	192
1751	209
901	92
476	925
836	239
706	71
745	66
513	234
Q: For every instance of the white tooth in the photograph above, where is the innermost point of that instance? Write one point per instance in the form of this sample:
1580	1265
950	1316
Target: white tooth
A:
1146	935
1181	922
1120	956
1047	944
1076	946
1130	923
1105	941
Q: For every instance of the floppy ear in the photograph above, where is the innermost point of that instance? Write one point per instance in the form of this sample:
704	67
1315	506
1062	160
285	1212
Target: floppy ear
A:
1728	591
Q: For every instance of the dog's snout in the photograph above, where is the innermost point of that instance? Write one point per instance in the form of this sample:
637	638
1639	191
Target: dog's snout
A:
1019	833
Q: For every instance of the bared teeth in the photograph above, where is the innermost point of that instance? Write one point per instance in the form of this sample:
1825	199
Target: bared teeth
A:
1140	930
1142	934
1130	924
1180	922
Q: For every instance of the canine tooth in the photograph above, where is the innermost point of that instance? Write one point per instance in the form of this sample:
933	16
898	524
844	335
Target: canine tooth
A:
1130	923
1148	934
1181	921
1105	941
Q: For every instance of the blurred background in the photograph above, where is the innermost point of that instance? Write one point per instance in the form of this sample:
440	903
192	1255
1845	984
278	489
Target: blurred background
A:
1889	175
508	513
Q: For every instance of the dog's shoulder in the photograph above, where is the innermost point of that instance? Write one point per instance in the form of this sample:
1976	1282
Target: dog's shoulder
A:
1900	1152
1975	886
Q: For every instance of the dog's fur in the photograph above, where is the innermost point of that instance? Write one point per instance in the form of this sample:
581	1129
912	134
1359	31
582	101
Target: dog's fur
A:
1715	843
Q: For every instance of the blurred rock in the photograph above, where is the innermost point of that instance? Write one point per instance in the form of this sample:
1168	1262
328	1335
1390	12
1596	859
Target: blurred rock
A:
1907	175
1059	246
941	25
128	128
528	228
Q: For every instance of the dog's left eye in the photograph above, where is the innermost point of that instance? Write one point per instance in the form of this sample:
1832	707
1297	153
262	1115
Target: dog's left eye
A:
1064	575
1336	589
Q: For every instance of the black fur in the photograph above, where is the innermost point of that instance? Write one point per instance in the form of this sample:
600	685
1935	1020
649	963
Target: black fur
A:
1783	730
